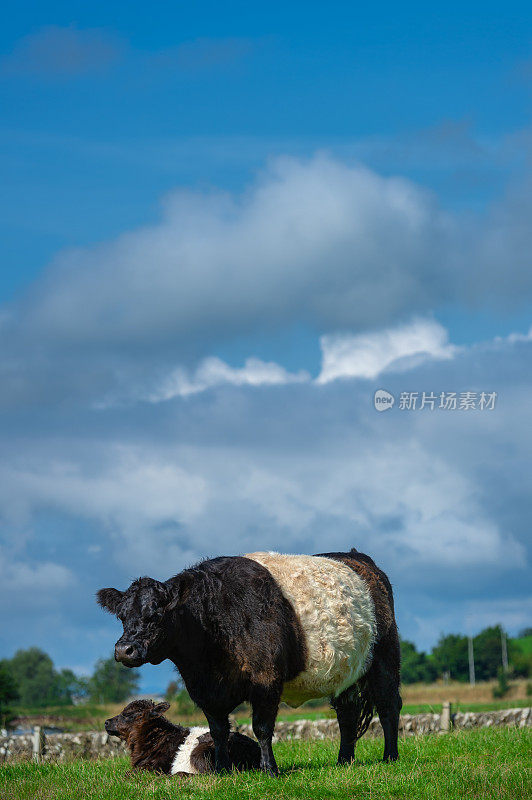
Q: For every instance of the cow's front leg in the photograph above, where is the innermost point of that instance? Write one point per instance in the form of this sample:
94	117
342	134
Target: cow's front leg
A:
265	703
219	728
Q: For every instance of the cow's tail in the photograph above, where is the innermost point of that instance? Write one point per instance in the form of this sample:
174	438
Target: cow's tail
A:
365	706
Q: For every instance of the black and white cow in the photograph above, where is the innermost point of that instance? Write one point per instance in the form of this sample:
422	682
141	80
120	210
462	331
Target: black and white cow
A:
267	627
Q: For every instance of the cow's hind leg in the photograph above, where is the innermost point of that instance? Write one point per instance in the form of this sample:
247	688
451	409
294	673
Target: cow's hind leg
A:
264	704
384	681
354	709
346	713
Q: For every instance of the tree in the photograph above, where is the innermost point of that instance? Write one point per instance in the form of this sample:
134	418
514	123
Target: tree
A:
415	666
40	684
71	687
171	691
521	664
488	654
36	677
8	692
450	655
520	653
112	682
177	694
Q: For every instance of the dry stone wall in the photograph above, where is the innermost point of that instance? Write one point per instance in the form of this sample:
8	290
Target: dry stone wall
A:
61	746
409	725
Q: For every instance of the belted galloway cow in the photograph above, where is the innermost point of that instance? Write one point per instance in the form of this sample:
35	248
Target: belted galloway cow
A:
267	627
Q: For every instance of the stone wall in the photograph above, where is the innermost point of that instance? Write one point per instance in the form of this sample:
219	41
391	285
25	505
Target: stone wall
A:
61	746
410	725
66	746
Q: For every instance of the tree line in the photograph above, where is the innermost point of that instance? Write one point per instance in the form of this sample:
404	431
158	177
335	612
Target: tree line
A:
450	657
30	680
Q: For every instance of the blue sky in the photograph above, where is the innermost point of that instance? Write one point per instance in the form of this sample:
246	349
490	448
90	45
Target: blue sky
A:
223	228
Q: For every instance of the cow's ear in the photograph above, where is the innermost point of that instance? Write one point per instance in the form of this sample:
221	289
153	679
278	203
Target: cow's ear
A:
178	589
160	709
110	599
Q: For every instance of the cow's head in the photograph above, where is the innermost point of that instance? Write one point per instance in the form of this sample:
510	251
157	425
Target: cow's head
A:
135	712
146	611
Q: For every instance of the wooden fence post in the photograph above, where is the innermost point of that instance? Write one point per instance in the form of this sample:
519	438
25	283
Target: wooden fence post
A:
445	717
38	741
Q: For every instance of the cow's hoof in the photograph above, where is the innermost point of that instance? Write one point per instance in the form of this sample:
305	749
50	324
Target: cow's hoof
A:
271	769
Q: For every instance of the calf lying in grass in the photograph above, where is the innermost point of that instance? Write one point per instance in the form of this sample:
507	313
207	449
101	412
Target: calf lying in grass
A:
157	745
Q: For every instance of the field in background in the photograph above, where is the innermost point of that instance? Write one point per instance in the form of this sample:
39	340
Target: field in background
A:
483	764
462	693
417	699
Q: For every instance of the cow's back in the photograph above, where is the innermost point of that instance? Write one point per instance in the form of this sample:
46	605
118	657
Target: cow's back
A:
337	615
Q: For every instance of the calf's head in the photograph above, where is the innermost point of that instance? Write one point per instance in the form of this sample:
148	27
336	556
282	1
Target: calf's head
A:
146	611
135	712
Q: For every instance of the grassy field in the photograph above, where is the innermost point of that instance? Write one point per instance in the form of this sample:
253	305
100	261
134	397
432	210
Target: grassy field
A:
462	694
487	763
417	699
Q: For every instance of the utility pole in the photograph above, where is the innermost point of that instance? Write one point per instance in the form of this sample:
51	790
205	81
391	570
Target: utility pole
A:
504	650
471	655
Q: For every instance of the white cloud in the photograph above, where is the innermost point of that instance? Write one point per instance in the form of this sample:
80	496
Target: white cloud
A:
212	372
516	337
128	487
469	617
343	356
512	614
167	506
367	355
333	244
316	243
163	494
438	519
42	579
141	498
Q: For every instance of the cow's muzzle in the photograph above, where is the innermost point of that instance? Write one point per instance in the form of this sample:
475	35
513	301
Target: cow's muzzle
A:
129	654
110	727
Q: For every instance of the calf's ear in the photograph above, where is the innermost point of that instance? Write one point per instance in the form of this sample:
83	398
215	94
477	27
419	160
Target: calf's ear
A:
109	599
160	708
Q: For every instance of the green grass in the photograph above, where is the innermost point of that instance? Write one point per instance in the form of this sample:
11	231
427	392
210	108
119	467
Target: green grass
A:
483	764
